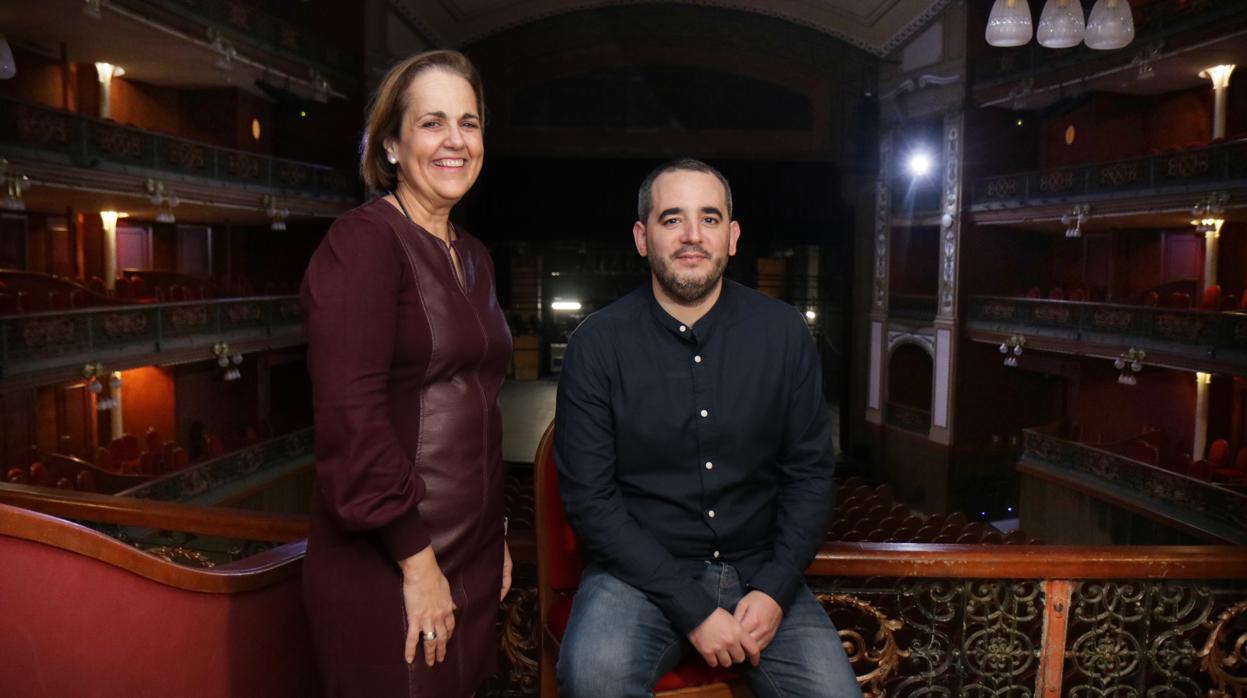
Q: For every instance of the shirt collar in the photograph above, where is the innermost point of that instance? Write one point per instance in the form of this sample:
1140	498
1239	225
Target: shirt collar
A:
704	325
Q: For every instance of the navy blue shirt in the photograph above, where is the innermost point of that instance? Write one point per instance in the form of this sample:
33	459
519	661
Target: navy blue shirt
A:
680	445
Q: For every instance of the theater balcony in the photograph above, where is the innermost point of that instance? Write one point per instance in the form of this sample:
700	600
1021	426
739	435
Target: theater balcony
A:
1196	340
49	347
59	157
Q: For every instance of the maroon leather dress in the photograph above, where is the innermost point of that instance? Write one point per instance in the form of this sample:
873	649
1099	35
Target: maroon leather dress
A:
406	363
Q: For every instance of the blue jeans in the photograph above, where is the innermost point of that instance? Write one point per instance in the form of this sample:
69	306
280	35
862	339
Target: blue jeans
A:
618	643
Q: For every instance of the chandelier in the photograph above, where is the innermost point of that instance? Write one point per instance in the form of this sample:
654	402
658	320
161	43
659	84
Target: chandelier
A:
1110	25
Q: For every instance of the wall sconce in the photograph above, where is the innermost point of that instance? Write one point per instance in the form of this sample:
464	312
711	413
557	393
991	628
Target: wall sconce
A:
1209	213
1012	349
221	351
1129	363
1074	219
13	185
273	210
164	201
94	373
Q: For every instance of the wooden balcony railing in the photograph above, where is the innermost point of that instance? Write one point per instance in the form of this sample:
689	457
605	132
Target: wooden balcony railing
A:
65	138
1190	338
1154	20
1195	507
1177	172
62	340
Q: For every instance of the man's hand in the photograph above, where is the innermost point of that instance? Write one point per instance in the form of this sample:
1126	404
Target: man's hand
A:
722	641
760	616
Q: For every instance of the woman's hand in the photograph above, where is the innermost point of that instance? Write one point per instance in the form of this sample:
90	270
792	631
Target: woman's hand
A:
426	598
506	570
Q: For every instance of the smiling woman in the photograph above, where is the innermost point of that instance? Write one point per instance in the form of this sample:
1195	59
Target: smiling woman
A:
407	349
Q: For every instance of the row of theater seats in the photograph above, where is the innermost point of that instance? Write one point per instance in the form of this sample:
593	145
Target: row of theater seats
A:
38	474
870	514
1215	466
124	455
1211	300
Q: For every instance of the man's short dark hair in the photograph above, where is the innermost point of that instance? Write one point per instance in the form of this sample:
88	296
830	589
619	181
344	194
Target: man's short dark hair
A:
645	196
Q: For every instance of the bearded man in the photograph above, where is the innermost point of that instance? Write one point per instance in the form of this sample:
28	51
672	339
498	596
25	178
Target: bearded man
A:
695	462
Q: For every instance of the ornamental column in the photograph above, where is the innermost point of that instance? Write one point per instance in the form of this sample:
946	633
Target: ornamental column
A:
946	299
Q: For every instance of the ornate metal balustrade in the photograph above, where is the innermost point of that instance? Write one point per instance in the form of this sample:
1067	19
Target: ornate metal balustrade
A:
65	138
974	621
908	418
1214	166
1189	338
1158	21
244	24
1188	503
129	335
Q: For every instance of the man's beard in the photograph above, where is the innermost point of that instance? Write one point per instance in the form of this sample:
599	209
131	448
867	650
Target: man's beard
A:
688	289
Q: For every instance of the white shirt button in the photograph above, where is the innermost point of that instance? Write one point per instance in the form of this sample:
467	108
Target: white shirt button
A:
705	413
709	465
683	328
697	359
716	554
710	513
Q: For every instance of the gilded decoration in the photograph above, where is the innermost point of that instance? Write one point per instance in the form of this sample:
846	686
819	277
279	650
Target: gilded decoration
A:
191	317
1002	188
950	225
39	126
120	325
1112	319
1224	654
187	156
883	223
1053	314
291	175
119	142
869	638
1121	174
1183	327
48	333
519	640
1187	165
1056	182
243	166
244	313
997	310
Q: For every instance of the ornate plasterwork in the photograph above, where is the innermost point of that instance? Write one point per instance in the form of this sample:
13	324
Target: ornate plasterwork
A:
925	341
883	223
950	219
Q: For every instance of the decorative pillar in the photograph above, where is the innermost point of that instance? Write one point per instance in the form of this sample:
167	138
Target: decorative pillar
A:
946	298
1220	77
879	293
109	219
106	71
1199	444
118	423
1212	243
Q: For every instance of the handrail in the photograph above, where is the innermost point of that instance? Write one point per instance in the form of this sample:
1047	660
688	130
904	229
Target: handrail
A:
147	513
256	572
86	140
1029	562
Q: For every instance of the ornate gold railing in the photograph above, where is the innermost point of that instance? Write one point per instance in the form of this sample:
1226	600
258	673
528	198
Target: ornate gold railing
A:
977	620
126	335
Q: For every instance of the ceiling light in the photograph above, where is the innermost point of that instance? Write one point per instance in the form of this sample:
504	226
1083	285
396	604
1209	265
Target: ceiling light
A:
1110	25
1061	24
1009	23
565	305
919	164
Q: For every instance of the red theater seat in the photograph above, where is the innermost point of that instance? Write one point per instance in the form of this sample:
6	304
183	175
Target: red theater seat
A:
1151	298
1217	452
1212	294
558	574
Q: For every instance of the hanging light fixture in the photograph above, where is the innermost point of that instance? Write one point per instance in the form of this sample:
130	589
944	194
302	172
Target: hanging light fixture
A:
1061	24
1009	23
1110	25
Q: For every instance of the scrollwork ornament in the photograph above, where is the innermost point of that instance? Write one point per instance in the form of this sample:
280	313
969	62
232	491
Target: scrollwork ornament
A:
1224	655
882	654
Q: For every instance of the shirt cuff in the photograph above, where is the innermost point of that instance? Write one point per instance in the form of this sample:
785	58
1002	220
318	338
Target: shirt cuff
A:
405	536
689	607
778	582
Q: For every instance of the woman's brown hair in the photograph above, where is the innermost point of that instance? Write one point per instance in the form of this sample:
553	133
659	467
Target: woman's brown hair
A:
385	113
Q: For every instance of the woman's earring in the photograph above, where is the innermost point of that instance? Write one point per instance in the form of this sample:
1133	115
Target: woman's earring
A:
391	157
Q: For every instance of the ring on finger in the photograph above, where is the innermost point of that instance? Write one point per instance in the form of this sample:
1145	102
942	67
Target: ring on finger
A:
429	635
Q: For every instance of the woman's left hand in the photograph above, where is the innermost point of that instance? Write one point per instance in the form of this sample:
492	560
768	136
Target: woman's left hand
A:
506	570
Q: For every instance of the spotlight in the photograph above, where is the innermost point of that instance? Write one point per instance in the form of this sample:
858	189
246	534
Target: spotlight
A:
920	164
